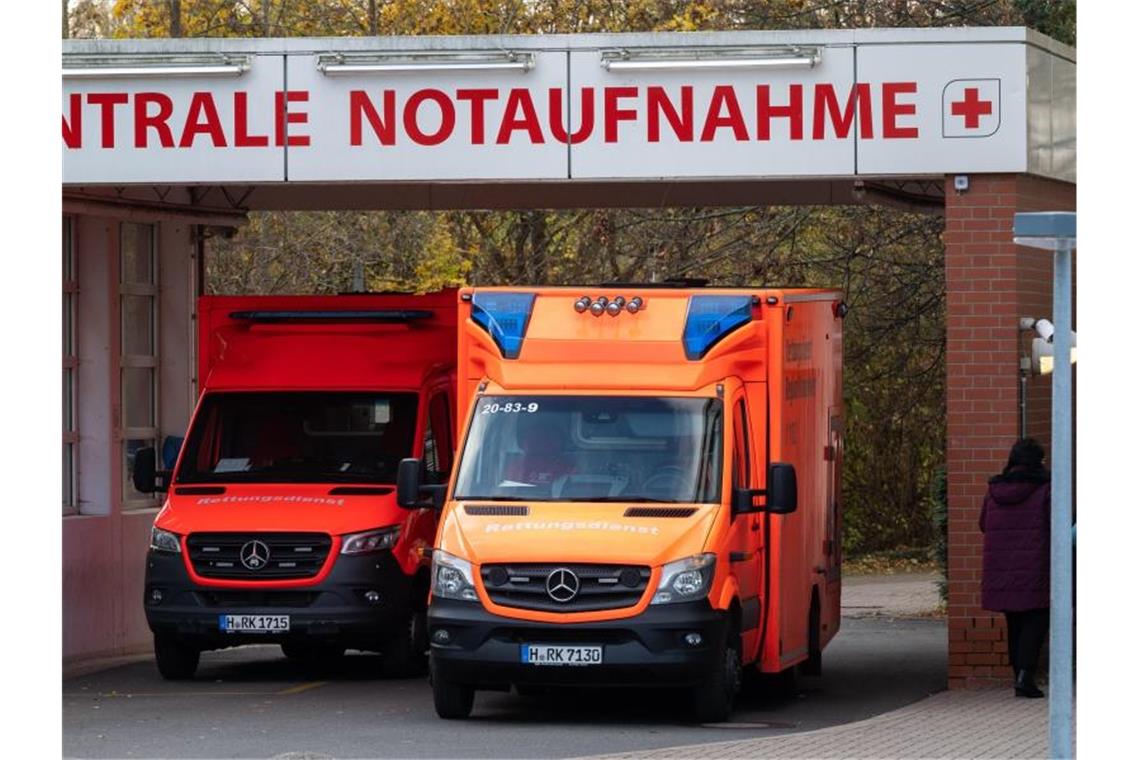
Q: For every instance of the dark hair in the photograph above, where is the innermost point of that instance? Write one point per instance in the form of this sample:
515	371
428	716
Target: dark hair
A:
1026	454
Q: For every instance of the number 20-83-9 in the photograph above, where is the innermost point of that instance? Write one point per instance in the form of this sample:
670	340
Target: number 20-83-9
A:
510	407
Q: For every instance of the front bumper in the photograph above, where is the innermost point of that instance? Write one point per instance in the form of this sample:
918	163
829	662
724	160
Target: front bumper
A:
646	650
333	611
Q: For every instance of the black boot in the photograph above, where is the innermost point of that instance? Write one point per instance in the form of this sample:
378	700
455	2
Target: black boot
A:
1025	685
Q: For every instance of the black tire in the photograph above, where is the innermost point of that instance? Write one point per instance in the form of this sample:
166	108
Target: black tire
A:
176	660
452	701
712	700
404	654
813	665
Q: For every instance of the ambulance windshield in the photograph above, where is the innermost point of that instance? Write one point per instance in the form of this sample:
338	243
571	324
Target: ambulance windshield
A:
593	448
303	437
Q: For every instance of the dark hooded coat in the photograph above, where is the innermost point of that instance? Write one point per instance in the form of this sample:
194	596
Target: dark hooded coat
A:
1015	552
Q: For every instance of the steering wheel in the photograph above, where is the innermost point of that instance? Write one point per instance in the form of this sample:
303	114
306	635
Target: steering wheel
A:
667	480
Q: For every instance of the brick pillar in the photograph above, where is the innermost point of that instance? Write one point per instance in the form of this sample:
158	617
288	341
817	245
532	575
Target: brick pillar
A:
990	283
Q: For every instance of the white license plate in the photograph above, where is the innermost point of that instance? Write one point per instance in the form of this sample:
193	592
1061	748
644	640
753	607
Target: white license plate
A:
555	654
253	623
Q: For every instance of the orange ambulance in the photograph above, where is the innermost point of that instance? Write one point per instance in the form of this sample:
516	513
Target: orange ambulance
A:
646	492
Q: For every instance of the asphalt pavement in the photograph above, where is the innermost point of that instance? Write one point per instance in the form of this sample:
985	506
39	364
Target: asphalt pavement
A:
252	702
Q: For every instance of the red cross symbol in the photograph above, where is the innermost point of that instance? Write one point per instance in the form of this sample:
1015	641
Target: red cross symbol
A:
972	108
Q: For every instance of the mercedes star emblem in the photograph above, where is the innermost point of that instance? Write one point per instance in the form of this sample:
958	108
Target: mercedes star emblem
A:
562	585
254	554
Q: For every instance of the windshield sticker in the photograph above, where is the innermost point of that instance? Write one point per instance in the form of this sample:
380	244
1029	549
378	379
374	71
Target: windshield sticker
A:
232	464
570	525
510	407
271	500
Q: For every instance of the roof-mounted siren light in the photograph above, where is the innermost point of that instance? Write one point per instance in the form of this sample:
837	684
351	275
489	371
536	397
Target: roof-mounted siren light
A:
710	319
381	316
505	317
614	307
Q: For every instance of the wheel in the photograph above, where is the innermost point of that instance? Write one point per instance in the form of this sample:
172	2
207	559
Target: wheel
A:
712	700
404	653
312	653
813	665
452	701
176	660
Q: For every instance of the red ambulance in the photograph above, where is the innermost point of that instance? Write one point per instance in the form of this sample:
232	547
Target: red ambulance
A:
280	523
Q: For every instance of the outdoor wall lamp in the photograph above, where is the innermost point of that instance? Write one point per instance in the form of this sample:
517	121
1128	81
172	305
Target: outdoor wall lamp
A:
712	59
1041	349
130	67
338	64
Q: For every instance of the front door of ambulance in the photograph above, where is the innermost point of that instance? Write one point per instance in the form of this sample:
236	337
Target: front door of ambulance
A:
746	553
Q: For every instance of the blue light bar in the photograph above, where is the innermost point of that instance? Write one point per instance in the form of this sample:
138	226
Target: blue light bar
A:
710	318
504	316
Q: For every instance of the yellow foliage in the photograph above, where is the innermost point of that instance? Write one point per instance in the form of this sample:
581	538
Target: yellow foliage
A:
442	263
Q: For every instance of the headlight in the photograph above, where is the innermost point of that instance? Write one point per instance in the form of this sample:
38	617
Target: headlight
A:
370	541
686	579
452	577
164	541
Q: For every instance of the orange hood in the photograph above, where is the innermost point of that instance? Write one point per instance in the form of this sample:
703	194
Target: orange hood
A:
575	532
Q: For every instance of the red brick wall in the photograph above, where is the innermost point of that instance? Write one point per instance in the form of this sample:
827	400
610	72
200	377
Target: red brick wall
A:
990	283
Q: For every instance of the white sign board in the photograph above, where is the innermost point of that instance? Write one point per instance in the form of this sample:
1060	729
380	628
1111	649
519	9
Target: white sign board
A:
710	123
968	104
177	130
862	109
411	125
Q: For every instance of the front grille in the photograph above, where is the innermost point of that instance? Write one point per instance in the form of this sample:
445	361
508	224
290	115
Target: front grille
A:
290	555
600	587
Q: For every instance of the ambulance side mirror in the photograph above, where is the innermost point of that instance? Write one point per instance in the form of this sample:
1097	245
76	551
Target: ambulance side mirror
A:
408	484
744	501
145	475
782	488
780	493
410	490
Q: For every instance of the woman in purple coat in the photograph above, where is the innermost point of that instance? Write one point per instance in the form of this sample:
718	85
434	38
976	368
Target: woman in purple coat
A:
1015	557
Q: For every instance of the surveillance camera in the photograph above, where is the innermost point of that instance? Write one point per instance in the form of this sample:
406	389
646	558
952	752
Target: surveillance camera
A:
1044	328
